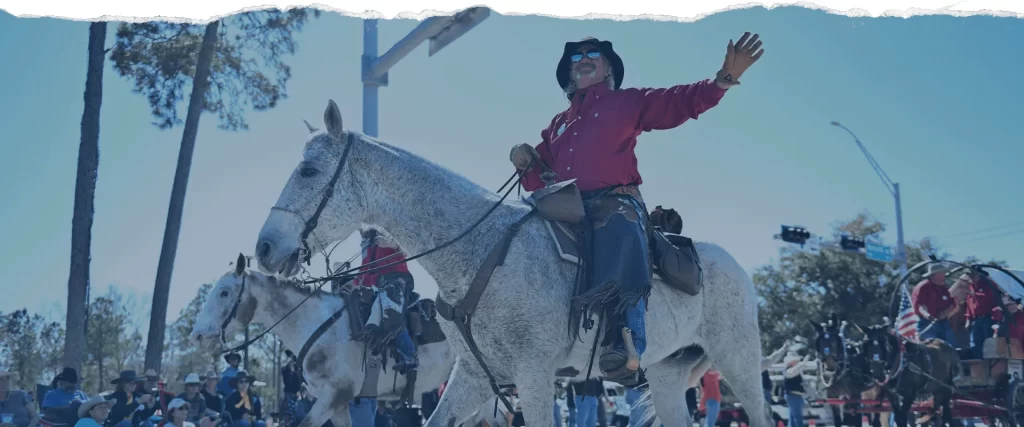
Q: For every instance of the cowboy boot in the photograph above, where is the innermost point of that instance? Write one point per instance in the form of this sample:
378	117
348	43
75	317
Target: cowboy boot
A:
622	363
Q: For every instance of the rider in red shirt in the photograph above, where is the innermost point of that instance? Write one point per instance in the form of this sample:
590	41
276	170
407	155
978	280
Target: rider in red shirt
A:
982	299
395	285
593	141
934	305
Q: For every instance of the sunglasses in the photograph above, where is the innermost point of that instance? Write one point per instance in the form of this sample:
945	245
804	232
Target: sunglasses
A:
592	54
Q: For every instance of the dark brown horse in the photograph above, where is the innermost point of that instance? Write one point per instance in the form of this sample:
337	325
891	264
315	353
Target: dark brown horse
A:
906	369
844	372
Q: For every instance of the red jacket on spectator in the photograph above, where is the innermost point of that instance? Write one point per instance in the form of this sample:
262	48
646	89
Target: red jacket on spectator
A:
933	297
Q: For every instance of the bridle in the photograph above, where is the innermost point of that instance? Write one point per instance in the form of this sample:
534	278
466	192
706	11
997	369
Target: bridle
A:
842	356
311	223
234	311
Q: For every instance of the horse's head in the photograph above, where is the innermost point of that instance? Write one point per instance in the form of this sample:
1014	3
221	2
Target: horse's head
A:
877	348
228	308
829	344
317	205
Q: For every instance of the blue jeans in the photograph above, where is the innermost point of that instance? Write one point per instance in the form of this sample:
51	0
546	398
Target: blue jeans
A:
586	411
259	423
558	415
942	330
981	329
636	321
711	407
404	345
796	409
364	412
768	396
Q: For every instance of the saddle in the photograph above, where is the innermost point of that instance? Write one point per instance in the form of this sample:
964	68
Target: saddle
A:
420	316
673	256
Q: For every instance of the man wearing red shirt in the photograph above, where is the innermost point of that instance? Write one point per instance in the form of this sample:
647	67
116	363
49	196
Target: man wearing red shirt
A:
711	396
395	284
593	142
982	300
934	305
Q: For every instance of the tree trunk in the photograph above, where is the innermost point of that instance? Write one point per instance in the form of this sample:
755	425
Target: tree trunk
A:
162	287
85	191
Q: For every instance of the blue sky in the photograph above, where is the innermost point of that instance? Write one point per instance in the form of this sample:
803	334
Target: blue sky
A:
936	99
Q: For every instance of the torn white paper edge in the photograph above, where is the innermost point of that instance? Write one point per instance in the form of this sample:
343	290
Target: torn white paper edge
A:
662	10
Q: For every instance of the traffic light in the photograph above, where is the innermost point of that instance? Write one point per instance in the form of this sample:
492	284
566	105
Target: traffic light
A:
798	235
849	243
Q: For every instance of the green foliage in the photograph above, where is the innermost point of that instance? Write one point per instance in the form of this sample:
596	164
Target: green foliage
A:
248	66
30	346
801	287
113	341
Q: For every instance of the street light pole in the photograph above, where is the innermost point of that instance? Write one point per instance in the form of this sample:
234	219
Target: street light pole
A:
439	30
894	190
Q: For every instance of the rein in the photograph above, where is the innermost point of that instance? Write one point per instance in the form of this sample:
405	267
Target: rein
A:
347	274
233	314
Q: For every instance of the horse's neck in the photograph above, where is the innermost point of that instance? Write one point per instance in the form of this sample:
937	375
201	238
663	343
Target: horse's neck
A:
274	300
423	205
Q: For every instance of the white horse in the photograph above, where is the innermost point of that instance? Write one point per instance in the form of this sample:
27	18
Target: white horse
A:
333	367
346	179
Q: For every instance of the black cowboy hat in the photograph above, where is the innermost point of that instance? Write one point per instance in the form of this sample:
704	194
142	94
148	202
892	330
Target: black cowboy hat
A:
242	374
68	374
229	356
562	72
125	377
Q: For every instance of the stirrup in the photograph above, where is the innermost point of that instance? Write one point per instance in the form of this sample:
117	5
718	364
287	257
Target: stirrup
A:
622	365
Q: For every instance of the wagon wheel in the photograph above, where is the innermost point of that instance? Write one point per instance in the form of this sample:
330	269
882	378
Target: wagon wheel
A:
1016	402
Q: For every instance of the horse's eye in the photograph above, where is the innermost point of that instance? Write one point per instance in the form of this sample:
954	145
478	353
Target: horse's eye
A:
308	172
223	294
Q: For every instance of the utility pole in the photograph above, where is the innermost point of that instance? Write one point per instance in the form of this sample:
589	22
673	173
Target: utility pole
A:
440	30
894	190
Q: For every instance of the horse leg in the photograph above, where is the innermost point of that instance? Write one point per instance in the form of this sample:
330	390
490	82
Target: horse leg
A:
534	388
467	389
897	409
341	416
741	369
663	379
328	408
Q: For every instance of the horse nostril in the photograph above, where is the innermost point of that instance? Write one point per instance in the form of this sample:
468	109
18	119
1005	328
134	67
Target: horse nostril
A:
263	249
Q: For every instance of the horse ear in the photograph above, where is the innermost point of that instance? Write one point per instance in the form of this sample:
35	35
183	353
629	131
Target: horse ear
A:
311	128
240	265
332	119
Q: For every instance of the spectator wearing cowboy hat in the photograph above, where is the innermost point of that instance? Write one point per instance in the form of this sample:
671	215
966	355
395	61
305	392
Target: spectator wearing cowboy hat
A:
934	305
94	412
16	408
195	399
214	400
224	387
131	408
245	407
152	384
60	405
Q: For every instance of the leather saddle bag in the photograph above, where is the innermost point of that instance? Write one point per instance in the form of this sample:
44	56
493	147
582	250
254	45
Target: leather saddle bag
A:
676	261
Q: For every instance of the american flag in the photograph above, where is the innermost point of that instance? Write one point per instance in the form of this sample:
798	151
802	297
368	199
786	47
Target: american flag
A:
906	324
